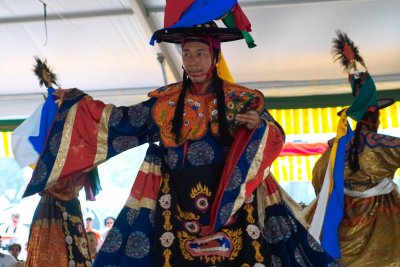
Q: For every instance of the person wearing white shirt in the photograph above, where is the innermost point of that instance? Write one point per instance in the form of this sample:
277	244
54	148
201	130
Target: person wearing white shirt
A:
15	231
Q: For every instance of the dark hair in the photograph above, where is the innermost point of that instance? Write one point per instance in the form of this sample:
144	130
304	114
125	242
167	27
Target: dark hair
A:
354	147
177	121
107	218
14	245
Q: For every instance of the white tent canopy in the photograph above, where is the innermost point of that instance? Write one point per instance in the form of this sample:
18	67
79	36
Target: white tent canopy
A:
102	47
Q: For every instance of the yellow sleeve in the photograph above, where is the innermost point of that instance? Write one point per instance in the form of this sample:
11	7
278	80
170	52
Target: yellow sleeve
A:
318	172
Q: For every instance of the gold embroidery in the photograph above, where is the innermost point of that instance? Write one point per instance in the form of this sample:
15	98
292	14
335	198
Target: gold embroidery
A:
150	168
200	190
66	231
102	135
78	240
64	147
167	217
74	219
183	237
237	242
165	181
144	202
235	236
71	256
258	256
81	244
249	209
186	215
212	259
167	255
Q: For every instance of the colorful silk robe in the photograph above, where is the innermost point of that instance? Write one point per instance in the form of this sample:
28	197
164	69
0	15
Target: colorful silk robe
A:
197	202
369	233
57	233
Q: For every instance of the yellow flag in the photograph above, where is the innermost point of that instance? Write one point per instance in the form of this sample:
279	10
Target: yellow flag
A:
223	70
341	131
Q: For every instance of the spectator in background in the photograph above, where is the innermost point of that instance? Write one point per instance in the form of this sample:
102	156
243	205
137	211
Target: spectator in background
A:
15	250
7	260
15	231
92	244
108	223
89	228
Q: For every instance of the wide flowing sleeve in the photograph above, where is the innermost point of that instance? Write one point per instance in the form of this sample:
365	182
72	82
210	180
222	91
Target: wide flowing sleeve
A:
85	133
390	153
319	170
249	161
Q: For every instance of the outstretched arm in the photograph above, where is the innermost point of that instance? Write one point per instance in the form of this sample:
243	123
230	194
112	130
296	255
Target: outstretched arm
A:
86	132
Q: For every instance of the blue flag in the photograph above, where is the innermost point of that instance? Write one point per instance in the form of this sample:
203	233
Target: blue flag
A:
335	207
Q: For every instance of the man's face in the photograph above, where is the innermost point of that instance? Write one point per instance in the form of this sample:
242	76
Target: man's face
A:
196	59
14	251
92	242
89	223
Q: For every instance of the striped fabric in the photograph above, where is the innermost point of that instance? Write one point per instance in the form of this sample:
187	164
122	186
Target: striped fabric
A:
5	145
324	120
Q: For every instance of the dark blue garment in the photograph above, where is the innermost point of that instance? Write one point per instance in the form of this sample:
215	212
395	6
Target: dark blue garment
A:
290	243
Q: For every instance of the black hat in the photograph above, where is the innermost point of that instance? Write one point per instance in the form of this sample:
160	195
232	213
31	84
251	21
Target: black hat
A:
382	103
177	35
362	85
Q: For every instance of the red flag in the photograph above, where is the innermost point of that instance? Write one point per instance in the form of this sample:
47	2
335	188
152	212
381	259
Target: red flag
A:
174	10
241	20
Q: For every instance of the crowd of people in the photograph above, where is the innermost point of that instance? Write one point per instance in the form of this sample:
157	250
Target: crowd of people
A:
14	240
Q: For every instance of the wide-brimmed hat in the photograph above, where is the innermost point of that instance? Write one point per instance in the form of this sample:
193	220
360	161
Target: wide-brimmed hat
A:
177	35
381	104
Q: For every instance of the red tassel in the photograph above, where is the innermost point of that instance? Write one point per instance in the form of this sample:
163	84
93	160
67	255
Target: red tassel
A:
241	20
348	52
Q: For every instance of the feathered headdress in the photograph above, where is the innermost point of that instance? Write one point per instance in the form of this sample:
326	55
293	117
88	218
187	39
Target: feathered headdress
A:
45	75
346	52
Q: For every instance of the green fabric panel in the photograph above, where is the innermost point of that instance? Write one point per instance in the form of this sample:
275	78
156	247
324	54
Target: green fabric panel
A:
94	181
229	21
249	39
9	125
367	97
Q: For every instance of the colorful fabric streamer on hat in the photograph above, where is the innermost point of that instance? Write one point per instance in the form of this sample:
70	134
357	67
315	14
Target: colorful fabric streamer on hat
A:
188	13
329	211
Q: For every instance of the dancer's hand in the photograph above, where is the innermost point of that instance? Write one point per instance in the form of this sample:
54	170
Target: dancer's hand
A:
250	119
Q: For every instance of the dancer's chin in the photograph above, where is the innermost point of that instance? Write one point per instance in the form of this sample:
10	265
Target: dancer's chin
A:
200	78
